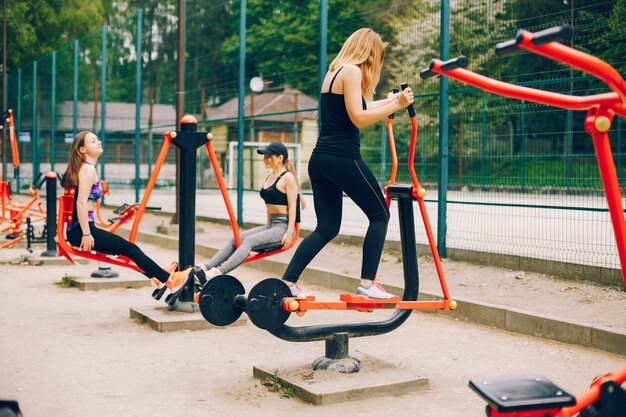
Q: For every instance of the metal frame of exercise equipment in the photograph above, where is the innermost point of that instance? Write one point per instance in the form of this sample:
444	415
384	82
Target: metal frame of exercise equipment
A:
534	396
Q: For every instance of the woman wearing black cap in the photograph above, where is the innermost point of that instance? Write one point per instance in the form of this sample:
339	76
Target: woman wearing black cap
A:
336	166
280	192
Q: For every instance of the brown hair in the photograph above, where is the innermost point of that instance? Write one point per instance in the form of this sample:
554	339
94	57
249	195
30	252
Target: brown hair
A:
365	49
70	177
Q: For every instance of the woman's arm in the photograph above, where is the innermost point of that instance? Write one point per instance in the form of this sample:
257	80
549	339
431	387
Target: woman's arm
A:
291	189
377	103
86	178
350	78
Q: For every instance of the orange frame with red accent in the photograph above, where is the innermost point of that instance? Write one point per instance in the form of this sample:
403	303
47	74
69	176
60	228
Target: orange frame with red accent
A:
11	211
66	205
601	109
302	304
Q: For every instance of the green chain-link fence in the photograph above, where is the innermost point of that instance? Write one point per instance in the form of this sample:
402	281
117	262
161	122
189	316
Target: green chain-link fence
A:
522	177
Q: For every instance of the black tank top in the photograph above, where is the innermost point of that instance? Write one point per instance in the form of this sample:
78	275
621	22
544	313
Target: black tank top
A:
272	195
338	135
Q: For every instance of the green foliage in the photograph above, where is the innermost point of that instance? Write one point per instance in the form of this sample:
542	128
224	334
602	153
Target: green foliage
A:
273	384
37	27
283	40
66	281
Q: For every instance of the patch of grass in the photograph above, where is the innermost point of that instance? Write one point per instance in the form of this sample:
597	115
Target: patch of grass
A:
140	320
396	254
162	229
273	384
66	282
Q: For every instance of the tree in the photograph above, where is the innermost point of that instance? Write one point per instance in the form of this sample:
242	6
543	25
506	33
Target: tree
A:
37	27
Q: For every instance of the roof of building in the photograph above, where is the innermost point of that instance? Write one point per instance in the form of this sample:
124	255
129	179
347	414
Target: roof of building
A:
277	106
120	117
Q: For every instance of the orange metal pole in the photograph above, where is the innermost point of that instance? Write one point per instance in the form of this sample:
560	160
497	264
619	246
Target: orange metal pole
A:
224	191
150	186
501	88
14	149
394	159
588	63
593	394
602	118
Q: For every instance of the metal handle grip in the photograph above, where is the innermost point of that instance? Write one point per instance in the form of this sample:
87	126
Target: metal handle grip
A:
428	72
395	90
410	108
557	33
509	47
454	63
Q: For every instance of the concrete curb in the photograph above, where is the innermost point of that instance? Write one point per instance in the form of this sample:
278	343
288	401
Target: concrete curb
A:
514	320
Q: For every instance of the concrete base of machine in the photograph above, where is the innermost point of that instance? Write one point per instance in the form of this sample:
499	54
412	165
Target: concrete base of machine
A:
163	320
376	378
124	281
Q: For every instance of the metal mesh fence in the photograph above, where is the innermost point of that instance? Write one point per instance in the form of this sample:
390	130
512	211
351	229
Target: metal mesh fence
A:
522	177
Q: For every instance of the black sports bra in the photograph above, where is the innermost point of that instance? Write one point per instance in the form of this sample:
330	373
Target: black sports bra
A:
272	195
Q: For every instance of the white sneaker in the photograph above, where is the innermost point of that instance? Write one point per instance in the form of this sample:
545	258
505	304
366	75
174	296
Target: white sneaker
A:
376	291
295	288
211	273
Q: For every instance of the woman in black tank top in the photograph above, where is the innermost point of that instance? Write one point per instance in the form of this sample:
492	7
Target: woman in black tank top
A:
336	166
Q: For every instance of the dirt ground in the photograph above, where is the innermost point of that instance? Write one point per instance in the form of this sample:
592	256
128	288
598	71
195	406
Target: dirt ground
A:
70	353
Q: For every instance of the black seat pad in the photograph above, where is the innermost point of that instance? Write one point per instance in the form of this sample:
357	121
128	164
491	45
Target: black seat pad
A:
522	392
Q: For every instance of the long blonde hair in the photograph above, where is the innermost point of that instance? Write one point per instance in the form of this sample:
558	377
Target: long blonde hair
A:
365	49
70	177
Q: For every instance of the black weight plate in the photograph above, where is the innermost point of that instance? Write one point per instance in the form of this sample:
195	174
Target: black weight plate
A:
265	303
217	300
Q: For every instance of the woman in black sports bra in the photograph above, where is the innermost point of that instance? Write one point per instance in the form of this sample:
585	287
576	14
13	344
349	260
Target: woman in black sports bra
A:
280	192
336	166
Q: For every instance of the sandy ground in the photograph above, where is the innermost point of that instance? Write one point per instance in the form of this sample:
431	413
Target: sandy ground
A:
70	353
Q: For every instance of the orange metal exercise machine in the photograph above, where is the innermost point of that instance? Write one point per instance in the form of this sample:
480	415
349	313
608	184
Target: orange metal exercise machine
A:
417	192
16	214
269	303
126	213
534	395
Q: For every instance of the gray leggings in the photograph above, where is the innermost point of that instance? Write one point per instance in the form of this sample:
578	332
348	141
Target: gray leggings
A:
262	237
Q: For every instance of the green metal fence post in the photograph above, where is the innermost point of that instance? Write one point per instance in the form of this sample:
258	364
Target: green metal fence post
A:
138	104
483	147
103	100
53	112
568	153
444	52
323	41
75	102
33	139
523	146
241	110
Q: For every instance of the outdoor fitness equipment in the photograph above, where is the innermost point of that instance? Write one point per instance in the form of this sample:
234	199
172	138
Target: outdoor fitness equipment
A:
601	108
270	303
187	140
18	214
534	395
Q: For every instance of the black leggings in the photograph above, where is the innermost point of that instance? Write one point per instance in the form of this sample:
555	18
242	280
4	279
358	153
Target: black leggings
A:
112	244
331	176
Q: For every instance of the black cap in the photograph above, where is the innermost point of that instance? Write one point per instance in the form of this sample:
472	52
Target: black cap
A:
274	148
